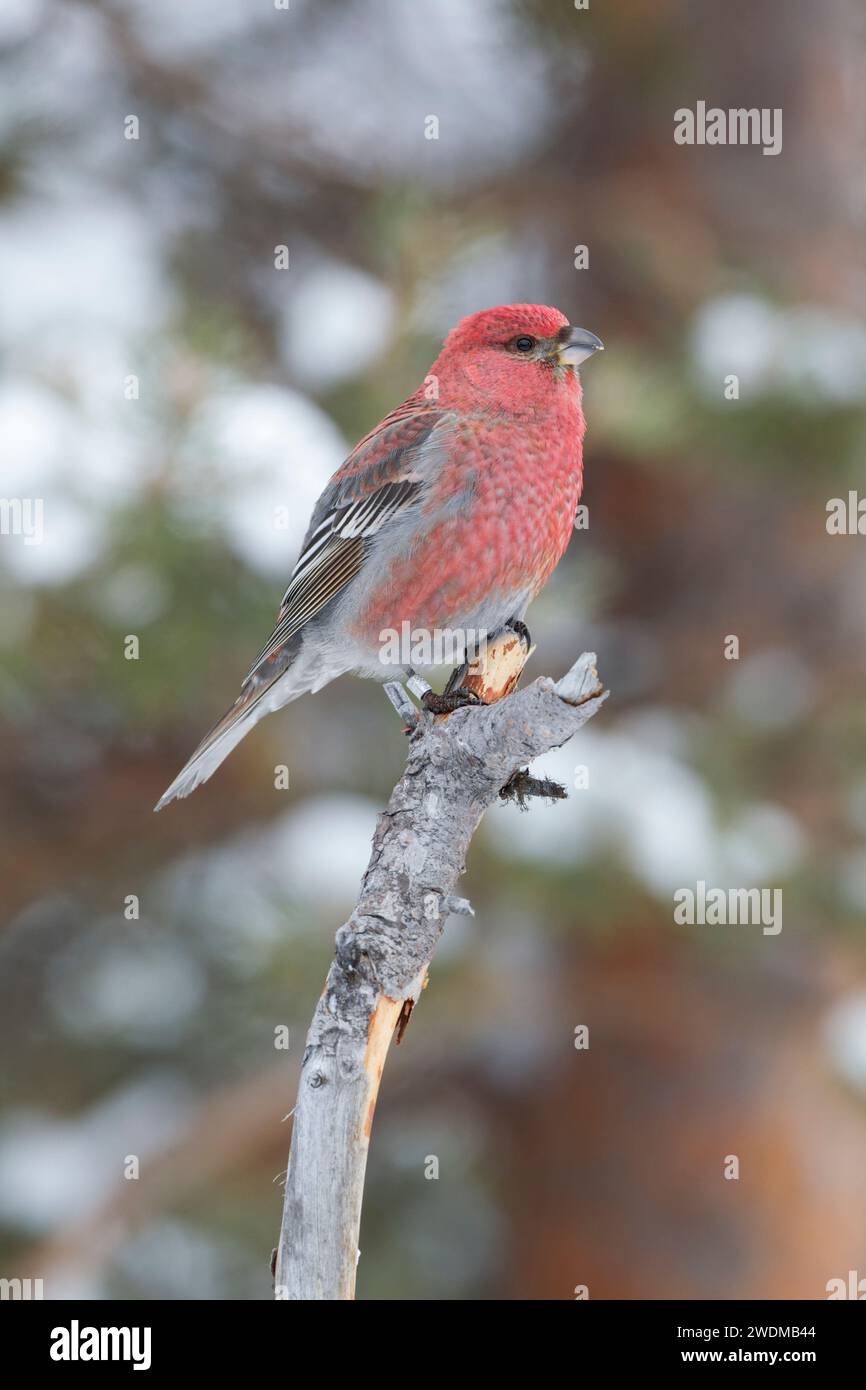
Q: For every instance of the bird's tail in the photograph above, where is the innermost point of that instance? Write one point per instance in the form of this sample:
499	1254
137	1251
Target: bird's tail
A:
250	706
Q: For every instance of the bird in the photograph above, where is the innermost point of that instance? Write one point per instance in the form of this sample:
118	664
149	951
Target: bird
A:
449	516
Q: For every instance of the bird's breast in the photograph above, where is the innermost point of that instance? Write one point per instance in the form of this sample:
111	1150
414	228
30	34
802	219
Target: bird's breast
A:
496	521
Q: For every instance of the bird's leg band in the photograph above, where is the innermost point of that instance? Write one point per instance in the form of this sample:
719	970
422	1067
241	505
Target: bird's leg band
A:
417	684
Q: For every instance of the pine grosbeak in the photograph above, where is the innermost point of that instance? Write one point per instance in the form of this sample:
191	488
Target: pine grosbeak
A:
450	515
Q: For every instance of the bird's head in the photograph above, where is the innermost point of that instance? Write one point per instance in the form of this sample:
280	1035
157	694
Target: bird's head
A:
515	354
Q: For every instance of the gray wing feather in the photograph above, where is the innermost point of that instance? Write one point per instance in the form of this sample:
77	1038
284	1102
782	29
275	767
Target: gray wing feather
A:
346	517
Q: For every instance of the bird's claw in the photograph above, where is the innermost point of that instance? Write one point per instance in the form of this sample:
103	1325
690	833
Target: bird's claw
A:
447	704
521	630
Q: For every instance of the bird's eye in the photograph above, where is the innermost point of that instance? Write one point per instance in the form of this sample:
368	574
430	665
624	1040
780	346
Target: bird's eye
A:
524	343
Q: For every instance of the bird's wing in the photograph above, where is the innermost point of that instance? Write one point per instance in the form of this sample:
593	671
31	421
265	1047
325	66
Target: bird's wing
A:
381	478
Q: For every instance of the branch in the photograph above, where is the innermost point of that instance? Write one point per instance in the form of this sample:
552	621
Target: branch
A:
456	768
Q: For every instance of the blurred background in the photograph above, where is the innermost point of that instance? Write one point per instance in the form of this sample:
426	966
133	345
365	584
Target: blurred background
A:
177	402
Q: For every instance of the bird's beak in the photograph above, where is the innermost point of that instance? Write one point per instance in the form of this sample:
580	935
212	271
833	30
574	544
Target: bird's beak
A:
575	345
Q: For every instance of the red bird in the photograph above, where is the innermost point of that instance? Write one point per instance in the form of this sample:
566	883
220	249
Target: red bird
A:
449	517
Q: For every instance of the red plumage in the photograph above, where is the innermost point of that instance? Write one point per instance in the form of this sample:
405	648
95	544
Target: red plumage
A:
517	437
451	514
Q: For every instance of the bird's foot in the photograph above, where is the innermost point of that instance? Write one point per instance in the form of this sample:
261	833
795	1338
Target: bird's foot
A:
515	625
448	703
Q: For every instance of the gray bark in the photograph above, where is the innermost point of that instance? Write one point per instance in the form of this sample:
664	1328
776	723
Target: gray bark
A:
455	769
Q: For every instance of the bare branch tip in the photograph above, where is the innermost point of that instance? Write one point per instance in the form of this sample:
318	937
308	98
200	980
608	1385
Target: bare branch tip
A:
581	683
461	907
